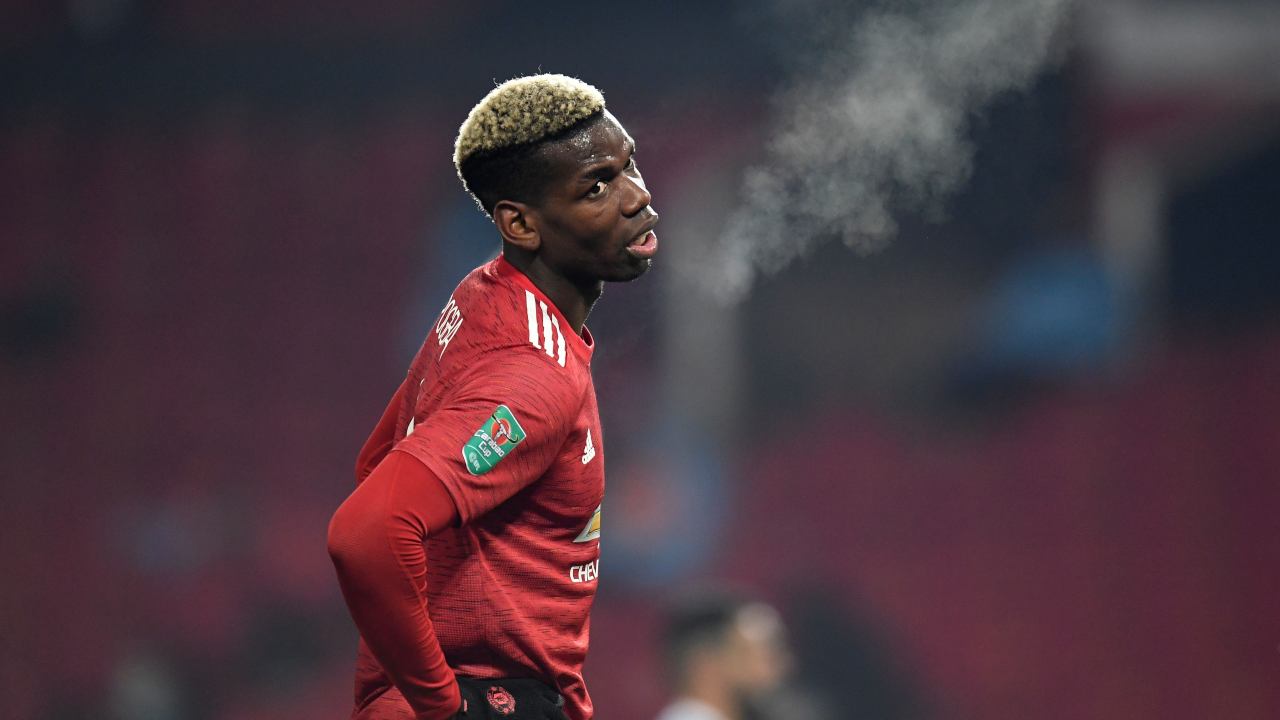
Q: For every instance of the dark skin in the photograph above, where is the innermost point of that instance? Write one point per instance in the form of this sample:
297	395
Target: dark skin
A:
576	236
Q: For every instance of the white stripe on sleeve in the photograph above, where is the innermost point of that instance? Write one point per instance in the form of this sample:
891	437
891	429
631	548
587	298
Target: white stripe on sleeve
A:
533	318
546	330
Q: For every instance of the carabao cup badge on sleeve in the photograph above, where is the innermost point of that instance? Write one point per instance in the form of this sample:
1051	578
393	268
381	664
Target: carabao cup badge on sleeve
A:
495	439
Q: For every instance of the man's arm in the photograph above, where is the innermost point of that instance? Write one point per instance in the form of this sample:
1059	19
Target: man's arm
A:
376	542
382	438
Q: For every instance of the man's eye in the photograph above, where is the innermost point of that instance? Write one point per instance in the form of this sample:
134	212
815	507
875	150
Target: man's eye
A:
631	164
597	188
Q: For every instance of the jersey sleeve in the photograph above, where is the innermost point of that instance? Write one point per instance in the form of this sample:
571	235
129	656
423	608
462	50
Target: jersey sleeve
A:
382	438
498	429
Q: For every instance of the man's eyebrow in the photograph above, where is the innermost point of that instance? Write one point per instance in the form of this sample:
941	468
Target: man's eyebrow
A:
598	171
603	168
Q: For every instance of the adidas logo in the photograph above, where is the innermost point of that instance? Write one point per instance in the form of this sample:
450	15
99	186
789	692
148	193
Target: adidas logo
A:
589	452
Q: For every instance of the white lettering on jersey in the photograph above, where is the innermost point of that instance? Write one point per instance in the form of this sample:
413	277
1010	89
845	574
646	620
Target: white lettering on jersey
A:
447	327
588	452
535	308
585	572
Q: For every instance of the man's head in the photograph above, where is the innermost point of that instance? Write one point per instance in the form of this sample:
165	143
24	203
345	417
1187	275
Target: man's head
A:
556	172
723	645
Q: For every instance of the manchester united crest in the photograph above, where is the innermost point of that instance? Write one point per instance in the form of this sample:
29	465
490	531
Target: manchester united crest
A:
501	700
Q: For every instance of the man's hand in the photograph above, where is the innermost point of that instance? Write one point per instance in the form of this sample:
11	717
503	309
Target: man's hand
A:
509	699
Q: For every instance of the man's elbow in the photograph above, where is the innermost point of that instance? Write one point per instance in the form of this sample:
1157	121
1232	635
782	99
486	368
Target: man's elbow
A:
347	529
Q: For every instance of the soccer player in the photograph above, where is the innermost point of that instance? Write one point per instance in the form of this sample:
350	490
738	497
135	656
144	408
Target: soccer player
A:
725	657
468	553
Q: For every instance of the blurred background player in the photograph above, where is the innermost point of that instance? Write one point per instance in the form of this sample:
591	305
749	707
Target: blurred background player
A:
726	659
469	552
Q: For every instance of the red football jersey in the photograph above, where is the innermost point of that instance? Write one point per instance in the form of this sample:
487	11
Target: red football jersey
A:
500	406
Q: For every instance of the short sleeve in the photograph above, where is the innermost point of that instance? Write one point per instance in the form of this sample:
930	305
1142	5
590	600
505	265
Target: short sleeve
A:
497	430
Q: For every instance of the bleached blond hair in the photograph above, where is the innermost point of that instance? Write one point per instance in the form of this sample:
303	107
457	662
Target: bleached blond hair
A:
525	110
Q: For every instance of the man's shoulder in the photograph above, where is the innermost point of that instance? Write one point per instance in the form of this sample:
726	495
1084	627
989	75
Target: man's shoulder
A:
496	333
493	311
481	315
487	298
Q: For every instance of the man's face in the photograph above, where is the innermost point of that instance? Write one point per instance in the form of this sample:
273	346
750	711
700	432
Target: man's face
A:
595	220
755	653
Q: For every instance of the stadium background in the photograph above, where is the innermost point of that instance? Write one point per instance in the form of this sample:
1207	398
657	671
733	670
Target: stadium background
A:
1023	462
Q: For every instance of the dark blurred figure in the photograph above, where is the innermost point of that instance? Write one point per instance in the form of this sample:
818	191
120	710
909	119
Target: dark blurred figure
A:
727	659
848	665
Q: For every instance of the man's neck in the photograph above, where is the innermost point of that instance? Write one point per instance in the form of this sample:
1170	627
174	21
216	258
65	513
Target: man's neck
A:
574	300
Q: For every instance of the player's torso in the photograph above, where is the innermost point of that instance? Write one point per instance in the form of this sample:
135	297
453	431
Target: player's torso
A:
531	563
486	316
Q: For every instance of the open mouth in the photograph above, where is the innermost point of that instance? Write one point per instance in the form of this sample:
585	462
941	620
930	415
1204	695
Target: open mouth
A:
645	246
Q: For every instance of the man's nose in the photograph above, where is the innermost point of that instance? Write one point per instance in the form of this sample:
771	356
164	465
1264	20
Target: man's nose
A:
640	197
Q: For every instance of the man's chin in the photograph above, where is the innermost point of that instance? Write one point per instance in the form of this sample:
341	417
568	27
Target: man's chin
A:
639	267
632	270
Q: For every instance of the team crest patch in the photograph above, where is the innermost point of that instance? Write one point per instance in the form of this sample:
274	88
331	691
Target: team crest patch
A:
499	435
501	700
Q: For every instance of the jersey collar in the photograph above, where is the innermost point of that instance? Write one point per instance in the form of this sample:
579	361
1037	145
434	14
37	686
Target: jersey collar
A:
584	345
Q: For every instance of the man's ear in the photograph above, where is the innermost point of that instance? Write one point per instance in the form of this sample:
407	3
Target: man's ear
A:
518	224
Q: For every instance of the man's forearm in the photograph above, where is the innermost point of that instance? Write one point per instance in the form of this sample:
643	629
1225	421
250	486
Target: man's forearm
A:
376	542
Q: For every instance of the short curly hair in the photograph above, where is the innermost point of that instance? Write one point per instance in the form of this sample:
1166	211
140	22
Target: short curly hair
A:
495	152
